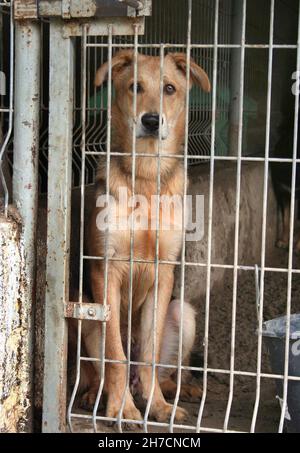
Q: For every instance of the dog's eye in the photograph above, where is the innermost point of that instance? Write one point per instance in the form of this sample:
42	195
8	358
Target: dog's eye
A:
170	89
139	88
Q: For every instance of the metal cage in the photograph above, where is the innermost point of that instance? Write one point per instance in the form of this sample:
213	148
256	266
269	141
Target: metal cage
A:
62	125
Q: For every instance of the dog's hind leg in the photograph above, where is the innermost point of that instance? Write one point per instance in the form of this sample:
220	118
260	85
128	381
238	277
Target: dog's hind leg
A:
169	352
283	240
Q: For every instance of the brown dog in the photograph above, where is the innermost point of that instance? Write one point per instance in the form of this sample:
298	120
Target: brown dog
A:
143	284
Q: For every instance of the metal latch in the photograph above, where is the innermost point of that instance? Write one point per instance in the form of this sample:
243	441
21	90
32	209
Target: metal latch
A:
81	9
86	311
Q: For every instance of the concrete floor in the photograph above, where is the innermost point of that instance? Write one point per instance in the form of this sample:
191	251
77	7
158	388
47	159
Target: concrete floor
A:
213	418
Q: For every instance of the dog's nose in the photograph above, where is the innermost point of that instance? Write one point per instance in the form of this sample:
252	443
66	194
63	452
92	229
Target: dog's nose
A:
151	121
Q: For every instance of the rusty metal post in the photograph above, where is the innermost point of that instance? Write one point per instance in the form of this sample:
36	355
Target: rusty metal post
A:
26	149
58	240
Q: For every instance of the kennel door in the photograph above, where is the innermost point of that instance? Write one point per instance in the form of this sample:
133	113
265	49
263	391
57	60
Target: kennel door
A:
71	22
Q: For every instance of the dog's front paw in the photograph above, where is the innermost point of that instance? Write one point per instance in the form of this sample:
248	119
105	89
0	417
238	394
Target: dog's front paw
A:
130	412
188	392
162	412
88	399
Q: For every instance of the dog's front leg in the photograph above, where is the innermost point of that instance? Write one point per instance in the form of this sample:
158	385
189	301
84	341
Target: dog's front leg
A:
115	373
160	409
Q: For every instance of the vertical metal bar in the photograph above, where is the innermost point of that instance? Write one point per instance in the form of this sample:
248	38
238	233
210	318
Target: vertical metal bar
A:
82	194
10	114
235	77
130	289
108	150
58	235
264	220
237	217
185	182
157	226
291	241
210	214
26	151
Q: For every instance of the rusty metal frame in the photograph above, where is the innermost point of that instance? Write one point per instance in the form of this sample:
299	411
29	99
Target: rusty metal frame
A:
121	26
78	9
58	234
25	166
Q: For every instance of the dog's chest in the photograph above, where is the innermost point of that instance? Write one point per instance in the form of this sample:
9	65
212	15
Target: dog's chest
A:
142	229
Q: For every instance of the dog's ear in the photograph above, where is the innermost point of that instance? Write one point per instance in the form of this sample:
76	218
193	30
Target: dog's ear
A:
120	61
198	75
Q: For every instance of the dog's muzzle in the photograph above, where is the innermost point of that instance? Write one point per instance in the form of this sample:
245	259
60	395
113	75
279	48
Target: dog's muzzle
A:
149	126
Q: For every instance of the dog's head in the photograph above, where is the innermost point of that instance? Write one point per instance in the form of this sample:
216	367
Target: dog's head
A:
148	90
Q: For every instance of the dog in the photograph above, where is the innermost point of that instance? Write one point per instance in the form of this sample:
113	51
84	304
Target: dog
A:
282	181
147	132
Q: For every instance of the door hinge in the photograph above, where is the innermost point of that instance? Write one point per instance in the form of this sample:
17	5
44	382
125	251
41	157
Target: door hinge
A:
87	311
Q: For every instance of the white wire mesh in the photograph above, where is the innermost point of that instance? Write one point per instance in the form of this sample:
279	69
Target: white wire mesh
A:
6	107
92	139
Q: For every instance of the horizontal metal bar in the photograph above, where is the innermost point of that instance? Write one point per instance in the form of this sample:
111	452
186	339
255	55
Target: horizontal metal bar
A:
67	9
121	26
121	8
152	423
198	46
208	158
190	263
87	311
50	8
77	9
192	368
25	10
136	4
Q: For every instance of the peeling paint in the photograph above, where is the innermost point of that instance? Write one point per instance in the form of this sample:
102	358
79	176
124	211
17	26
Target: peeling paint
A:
14	312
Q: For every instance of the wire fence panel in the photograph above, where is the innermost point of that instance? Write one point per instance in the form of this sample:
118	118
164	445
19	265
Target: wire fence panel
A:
79	159
93	135
73	137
